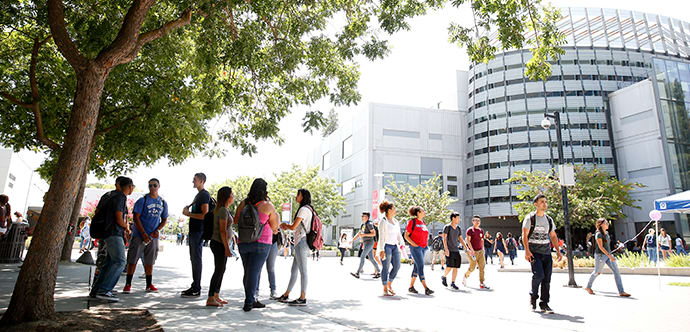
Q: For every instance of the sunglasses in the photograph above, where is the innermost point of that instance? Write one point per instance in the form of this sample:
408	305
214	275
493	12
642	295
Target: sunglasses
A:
153	185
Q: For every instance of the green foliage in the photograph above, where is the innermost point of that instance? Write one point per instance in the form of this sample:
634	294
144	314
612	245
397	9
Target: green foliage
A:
595	195
675	260
632	259
428	195
681	284
172	226
99	185
331	124
583	261
240	188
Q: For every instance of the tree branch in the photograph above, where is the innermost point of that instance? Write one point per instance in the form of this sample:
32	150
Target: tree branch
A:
15	100
263	18
127	37
65	44
35	106
120	123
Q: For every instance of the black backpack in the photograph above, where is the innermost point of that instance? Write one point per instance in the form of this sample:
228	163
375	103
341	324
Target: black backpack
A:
208	220
100	228
249	227
533	223
437	243
511	244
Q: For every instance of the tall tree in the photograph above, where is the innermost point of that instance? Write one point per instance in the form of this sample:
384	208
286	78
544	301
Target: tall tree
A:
240	188
247	62
596	194
429	195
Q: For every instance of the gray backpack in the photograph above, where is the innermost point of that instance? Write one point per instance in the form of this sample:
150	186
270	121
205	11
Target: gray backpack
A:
249	227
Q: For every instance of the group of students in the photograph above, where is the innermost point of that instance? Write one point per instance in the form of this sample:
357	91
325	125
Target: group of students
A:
658	247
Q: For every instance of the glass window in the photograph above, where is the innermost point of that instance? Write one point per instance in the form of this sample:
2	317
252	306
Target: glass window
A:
349	186
453	190
401	133
347	147
326	161
452	178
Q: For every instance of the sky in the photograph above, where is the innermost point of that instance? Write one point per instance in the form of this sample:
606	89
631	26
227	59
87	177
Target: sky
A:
420	71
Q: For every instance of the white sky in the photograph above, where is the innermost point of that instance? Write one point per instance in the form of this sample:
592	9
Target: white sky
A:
420	71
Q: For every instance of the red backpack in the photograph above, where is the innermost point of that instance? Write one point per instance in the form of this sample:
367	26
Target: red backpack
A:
315	234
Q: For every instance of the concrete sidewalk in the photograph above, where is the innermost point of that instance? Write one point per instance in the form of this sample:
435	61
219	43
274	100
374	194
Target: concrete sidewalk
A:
339	302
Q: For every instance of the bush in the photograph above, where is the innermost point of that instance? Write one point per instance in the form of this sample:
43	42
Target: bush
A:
583	262
329	248
676	260
632	259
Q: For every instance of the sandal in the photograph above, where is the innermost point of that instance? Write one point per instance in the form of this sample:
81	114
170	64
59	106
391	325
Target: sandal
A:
590	291
624	294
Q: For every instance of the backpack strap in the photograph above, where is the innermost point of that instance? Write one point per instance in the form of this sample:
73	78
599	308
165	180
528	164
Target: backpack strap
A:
414	224
533	222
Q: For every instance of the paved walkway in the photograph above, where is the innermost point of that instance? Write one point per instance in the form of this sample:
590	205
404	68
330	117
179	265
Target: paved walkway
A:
338	302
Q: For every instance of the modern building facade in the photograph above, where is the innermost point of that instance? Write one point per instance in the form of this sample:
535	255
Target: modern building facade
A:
389	143
606	50
19	181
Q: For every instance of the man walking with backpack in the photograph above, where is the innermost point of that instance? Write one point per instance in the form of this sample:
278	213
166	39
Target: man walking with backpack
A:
109	226
452	234
537	229
368	235
196	213
437	251
150	216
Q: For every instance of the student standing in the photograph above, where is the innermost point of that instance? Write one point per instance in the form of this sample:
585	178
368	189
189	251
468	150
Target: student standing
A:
342	246
196	212
220	246
417	234
271	266
649	246
150	216
537	230
475	241
452	236
500	248
664	243
603	256
390	242
367	234
301	226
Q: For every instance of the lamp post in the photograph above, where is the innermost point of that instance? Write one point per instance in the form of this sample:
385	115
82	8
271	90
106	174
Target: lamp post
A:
546	124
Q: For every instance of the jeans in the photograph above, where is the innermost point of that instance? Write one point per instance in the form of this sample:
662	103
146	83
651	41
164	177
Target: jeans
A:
113	264
392	256
418	256
299	264
651	253
512	254
489	253
367	251
219	261
478	260
270	269
681	250
254	256
342	254
599	262
541	276
195	250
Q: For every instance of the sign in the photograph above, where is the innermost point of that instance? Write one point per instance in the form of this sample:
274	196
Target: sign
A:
566	175
377	197
285	215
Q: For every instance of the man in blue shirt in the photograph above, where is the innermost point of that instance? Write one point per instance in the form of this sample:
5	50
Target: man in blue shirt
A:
150	216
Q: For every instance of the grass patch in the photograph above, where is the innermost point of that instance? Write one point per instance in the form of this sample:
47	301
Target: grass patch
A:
675	260
681	284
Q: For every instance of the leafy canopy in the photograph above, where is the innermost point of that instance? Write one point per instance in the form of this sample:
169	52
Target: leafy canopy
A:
429	195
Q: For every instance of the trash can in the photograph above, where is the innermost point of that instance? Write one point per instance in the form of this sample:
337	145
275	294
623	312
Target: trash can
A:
12	244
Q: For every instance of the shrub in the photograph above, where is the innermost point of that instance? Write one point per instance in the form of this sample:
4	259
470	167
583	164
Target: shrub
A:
583	262
678	261
632	259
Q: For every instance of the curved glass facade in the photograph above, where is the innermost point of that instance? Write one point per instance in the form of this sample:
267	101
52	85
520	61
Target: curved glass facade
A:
606	50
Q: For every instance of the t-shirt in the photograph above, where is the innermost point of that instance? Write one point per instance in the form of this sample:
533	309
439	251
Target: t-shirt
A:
222	213
151	211
679	242
452	235
665	240
116	202
420	235
367	228
539	242
304	227
203	197
606	242
651	241
487	243
476	238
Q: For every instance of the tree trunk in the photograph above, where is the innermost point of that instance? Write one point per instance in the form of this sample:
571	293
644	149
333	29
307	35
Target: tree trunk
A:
32	298
74	217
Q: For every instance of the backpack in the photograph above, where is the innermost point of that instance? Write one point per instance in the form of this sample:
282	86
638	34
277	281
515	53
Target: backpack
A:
511	244
437	243
249	227
315	234
100	229
533	223
207	232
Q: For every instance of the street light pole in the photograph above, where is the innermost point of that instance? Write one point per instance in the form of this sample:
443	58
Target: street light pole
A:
564	191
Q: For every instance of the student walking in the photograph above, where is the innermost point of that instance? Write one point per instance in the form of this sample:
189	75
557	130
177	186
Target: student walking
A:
664	243
417	234
342	246
452	237
603	256
475	241
220	245
500	248
301	227
437	251
390	242
538	230
257	222
150	216
680	245
649	246
488	245
367	234
512	248
196	212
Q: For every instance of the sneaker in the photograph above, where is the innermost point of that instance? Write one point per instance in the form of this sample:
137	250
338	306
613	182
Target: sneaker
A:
377	275
412	290
545	308
428	291
151	289
258	305
247	307
483	286
356	275
298	302
444	282
452	285
191	293
533	303
108	296
283	299
274	296
127	289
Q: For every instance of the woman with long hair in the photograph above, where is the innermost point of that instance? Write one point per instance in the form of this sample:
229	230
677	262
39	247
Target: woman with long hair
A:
602	255
664	243
417	236
301	225
220	246
500	248
390	241
342	246
255	253
488	244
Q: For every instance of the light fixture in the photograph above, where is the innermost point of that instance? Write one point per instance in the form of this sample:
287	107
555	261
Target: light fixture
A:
546	123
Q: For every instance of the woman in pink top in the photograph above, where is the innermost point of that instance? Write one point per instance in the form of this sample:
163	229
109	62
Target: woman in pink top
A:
254	254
